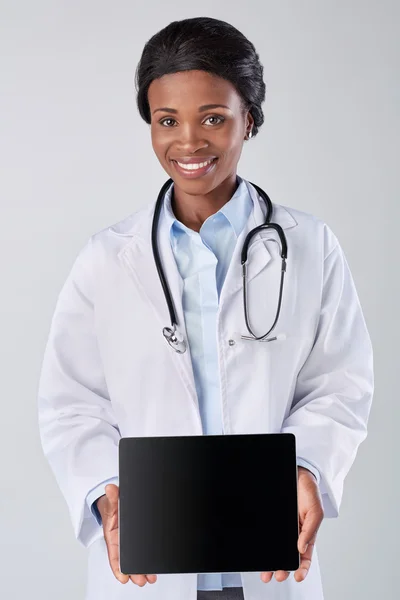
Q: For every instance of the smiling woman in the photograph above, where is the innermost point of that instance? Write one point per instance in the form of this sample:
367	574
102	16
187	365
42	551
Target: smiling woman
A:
108	372
200	86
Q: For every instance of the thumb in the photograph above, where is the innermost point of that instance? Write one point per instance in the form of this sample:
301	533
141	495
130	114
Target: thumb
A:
309	529
112	493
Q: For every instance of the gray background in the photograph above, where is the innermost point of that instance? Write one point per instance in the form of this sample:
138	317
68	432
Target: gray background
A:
75	157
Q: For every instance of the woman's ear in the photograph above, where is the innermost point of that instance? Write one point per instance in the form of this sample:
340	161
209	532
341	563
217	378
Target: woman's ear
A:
249	125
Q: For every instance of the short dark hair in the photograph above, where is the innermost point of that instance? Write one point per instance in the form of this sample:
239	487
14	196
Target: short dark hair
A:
206	44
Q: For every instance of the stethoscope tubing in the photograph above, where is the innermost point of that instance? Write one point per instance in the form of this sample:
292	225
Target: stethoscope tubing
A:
170	332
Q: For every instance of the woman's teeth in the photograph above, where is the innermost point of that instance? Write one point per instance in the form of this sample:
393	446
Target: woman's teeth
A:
194	166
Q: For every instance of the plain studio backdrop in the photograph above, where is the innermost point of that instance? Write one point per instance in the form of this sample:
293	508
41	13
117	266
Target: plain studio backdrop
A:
76	157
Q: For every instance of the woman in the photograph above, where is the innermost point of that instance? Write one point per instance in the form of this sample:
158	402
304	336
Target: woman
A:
108	371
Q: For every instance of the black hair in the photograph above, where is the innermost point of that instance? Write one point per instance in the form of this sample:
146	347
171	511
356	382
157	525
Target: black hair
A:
206	44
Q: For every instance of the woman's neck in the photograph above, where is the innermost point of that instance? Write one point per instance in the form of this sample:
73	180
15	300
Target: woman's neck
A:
193	209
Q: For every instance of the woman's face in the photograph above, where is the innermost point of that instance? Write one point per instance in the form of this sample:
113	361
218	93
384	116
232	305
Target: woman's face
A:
185	128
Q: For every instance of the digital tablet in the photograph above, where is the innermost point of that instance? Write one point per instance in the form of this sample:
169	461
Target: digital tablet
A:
208	504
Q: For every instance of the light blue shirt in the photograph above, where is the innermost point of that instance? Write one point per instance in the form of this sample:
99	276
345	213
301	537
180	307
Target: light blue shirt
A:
202	259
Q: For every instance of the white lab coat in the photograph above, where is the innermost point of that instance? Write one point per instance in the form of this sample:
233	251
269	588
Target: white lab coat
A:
108	373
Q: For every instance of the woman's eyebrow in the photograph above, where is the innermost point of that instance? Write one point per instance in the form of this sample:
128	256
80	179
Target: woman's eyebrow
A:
201	108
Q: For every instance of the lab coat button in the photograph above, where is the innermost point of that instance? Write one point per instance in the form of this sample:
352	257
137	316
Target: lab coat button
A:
231	342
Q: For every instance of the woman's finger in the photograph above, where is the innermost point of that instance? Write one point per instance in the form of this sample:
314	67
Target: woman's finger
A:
310	527
113	557
266	576
139	580
305	562
281	575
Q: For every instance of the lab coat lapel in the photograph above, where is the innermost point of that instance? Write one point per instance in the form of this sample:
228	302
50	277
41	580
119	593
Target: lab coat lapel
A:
138	261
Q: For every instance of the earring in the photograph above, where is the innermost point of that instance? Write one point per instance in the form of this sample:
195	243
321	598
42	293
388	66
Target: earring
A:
249	135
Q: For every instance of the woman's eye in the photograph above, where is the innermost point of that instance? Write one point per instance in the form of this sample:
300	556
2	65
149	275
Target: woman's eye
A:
219	119
163	121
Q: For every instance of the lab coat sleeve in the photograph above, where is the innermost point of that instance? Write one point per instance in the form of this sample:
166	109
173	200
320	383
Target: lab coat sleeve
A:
334	388
78	428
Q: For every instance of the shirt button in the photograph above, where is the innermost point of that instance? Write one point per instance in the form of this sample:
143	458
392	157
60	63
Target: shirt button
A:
231	342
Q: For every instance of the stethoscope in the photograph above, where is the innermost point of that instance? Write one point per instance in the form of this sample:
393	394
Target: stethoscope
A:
170	333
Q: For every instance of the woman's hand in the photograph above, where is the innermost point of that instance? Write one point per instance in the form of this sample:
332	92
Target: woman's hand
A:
311	514
108	508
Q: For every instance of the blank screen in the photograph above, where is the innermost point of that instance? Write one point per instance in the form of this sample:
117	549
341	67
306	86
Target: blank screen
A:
208	504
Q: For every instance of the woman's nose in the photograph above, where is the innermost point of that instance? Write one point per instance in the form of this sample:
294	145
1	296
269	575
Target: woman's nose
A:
191	139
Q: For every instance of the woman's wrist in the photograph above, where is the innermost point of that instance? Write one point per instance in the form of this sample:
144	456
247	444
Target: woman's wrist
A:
305	470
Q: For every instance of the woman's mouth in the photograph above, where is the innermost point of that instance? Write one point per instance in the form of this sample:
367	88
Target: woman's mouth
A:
194	170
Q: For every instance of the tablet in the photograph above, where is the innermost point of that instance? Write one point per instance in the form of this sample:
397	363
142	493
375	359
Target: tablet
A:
208	504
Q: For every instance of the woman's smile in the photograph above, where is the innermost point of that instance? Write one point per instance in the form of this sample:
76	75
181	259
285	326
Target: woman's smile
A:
192	169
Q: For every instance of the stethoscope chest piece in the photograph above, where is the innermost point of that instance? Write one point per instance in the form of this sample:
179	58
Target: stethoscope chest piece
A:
179	345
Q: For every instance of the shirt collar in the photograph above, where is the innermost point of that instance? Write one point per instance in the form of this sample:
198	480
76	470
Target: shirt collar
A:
236	210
